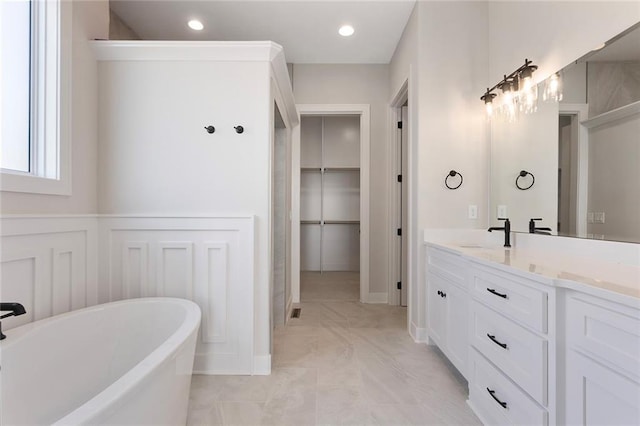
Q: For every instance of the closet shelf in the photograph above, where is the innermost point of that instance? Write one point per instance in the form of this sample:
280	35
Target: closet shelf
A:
309	222
329	169
341	222
342	169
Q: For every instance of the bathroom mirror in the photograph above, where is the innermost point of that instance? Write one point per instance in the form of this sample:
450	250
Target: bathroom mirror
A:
583	151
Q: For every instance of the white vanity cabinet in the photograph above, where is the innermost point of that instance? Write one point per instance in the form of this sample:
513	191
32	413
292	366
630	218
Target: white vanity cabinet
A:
448	305
602	362
511	347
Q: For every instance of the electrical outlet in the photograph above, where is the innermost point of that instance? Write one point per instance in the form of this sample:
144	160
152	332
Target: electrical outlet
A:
590	217
473	211
502	211
598	217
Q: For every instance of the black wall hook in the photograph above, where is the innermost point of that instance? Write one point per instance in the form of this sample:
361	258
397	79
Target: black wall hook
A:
522	174
239	129
210	129
453	173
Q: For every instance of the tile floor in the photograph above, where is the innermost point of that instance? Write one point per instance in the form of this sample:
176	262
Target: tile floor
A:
340	363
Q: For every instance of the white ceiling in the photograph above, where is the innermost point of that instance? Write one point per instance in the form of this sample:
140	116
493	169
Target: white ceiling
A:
308	30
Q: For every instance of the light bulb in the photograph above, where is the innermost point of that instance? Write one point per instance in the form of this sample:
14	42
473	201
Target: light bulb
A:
346	30
196	25
553	89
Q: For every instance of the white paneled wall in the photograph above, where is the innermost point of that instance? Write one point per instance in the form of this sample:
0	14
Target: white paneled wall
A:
57	264
48	264
207	260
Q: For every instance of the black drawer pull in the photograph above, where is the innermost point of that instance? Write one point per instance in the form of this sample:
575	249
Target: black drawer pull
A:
493	339
493	291
492	392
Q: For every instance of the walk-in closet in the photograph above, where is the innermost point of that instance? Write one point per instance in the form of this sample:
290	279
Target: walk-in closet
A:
330	206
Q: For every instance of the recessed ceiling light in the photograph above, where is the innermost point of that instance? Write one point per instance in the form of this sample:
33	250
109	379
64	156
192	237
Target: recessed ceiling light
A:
346	30
194	24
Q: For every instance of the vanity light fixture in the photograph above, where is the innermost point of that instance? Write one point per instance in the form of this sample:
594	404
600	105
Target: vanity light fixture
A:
488	101
553	88
195	25
346	30
519	92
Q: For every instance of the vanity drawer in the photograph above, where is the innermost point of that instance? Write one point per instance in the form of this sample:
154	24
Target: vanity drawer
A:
519	353
448	266
608	331
512	296
506	404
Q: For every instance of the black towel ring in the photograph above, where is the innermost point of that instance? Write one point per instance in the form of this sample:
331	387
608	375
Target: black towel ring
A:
524	173
452	173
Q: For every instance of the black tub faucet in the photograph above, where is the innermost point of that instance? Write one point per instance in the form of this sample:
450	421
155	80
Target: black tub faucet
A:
506	228
534	230
14	309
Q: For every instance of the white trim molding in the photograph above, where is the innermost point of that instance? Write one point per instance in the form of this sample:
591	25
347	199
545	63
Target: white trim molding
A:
262	365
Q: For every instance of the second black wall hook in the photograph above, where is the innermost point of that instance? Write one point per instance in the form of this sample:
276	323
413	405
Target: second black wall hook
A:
210	129
239	129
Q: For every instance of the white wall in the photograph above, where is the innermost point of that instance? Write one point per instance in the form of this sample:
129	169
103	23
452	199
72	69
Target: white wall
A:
157	159
90	20
531	144
552	33
444	54
614	155
359	84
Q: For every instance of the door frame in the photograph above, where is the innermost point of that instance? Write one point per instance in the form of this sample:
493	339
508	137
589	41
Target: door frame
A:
580	112
363	110
395	115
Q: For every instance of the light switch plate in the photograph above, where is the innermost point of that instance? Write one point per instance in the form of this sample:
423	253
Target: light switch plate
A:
502	210
473	211
598	217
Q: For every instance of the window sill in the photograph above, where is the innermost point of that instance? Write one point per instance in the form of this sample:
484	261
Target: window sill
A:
20	182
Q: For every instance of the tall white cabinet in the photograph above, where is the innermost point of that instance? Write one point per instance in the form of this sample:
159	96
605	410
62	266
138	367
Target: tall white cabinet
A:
330	193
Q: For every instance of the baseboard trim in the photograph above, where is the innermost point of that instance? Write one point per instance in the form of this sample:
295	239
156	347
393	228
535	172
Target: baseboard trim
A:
262	365
418	334
381	297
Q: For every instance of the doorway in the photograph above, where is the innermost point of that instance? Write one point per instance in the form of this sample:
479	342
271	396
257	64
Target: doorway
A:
330	208
281	226
399	196
573	169
331	203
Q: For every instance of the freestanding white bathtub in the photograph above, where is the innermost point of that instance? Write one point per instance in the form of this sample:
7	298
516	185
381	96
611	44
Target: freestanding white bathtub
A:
121	363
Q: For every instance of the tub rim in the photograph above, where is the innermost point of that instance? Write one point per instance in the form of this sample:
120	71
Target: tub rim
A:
105	398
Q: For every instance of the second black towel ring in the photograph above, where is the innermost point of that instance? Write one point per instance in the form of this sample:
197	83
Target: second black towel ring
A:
524	173
452	173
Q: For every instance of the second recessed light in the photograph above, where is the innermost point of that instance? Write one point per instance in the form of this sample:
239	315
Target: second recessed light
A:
196	25
346	30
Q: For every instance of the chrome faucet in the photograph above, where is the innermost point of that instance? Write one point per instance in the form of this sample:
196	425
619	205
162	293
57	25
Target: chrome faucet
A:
14	310
506	228
534	230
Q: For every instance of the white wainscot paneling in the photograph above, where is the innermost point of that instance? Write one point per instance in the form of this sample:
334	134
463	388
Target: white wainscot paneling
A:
207	260
49	264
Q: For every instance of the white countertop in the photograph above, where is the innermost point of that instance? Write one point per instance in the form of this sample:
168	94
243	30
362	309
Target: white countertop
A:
615	280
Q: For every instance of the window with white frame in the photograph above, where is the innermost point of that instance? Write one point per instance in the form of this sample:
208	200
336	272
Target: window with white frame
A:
34	57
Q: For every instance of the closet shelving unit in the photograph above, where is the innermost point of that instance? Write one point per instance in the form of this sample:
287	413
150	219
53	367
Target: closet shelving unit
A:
330	193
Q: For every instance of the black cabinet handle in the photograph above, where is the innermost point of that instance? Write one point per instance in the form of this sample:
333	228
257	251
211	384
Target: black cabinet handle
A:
492	392
493	339
493	291
444	294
